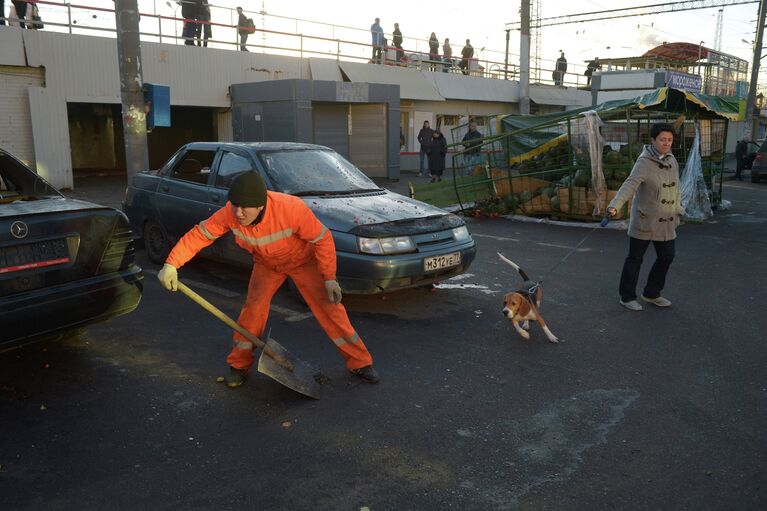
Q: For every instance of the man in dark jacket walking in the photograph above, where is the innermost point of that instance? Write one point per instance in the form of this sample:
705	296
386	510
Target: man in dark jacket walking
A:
472	155
242	29
424	137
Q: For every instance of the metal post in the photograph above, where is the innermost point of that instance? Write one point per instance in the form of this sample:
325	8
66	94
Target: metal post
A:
338	49
69	16
755	70
524	60
131	87
506	61
159	27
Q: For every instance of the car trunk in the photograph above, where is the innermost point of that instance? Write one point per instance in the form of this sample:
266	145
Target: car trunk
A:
49	242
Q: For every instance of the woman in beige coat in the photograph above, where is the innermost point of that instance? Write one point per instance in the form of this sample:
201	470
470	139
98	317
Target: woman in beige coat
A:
655	214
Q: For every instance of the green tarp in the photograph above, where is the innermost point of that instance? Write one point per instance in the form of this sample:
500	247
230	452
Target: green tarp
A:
536	130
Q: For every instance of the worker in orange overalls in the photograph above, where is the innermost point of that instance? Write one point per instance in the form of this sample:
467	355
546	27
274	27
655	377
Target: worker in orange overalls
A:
286	240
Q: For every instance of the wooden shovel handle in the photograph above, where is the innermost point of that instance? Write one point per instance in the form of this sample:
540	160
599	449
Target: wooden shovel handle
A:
205	304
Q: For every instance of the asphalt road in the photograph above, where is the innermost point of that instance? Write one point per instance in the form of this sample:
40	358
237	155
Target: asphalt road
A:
663	409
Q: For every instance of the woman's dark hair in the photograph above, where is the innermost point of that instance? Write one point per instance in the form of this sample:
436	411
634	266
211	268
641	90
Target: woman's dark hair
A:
659	127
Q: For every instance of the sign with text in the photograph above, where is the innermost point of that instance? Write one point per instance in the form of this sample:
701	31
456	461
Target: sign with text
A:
683	81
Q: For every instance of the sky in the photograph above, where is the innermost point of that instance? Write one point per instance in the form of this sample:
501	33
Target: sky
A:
482	22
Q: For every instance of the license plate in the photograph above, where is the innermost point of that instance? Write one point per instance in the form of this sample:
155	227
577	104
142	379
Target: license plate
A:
35	255
443	261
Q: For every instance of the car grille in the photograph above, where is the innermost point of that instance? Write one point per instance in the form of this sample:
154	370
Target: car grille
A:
424	241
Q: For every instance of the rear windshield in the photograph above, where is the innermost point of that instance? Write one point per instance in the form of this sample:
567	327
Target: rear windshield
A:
314	171
17	182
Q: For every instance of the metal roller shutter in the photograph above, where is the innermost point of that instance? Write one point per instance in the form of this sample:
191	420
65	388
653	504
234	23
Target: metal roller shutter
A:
15	119
330	126
367	142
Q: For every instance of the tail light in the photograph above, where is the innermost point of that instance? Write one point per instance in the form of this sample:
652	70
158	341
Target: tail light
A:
758	156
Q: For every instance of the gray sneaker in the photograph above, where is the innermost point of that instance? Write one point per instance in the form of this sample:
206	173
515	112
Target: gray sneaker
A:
660	301
632	305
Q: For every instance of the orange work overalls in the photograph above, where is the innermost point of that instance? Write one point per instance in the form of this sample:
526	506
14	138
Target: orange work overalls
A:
288	241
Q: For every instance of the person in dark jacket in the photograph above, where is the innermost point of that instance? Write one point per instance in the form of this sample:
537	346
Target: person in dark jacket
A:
473	147
741	151
437	152
190	9
592	66
242	24
397	40
560	69
433	51
466	54
203	32
424	137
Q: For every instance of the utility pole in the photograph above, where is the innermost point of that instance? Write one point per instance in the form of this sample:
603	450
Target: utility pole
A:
131	87
506	61
751	101
524	59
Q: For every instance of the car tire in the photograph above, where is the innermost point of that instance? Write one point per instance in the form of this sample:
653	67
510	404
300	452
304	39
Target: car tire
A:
156	242
754	178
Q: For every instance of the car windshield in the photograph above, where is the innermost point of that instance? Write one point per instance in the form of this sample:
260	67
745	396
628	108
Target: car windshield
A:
314	172
17	182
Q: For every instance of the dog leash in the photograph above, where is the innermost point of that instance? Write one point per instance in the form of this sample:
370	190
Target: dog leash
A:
603	223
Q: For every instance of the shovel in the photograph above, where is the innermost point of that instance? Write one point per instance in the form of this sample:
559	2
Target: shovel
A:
275	361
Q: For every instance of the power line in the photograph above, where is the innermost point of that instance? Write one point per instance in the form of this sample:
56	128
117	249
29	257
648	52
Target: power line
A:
642	10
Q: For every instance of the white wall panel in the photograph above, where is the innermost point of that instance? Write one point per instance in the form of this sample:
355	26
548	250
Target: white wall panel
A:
50	130
15	120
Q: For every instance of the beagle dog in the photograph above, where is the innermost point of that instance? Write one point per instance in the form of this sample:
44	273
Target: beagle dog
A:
522	305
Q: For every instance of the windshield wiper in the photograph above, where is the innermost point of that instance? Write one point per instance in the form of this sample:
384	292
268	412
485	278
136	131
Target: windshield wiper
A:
336	192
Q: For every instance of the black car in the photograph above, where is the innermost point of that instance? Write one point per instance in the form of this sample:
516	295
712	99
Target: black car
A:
384	241
64	263
759	165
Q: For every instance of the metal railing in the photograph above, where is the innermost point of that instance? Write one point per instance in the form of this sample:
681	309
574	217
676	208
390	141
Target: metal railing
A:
286	36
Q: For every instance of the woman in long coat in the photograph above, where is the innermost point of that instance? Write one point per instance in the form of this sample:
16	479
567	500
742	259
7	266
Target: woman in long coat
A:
437	151
433	51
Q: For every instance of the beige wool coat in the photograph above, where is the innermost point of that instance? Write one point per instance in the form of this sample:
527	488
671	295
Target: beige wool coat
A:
656	210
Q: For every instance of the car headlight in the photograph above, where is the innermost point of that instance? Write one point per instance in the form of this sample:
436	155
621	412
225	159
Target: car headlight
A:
398	245
461	234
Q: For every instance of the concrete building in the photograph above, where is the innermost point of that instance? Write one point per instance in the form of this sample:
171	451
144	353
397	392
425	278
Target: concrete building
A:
60	97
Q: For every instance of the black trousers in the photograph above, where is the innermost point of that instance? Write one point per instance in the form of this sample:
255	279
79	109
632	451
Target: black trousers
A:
21	12
664	250
738	167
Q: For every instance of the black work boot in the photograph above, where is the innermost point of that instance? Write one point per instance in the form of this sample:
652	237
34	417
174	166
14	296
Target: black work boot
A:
236	377
367	374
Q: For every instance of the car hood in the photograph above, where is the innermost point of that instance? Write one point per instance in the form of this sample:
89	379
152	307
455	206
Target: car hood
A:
49	205
346	213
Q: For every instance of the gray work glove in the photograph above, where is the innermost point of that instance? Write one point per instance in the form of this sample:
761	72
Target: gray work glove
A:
168	277
334	291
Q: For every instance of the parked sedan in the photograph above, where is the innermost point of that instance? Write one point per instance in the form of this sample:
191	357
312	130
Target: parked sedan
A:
759	164
64	263
384	241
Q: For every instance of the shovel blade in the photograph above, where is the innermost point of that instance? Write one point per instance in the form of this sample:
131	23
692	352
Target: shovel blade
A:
301	378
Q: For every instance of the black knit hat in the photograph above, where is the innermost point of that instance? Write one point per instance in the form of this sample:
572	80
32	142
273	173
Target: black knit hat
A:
248	190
